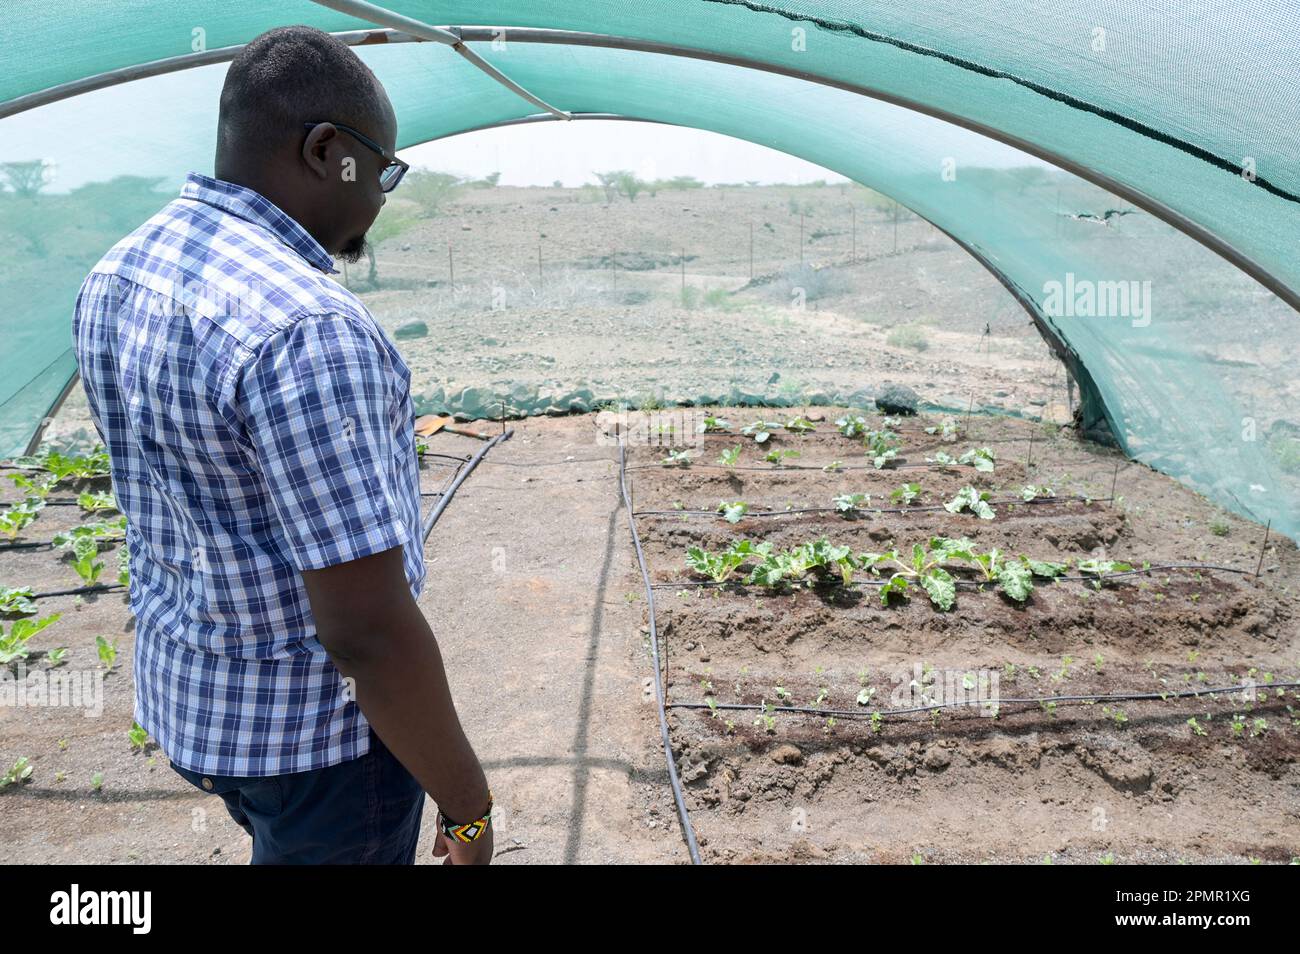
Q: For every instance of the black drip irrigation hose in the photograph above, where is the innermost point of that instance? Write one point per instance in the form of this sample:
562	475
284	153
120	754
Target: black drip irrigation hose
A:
867	511
688	832
462	472
80	591
980	584
890	713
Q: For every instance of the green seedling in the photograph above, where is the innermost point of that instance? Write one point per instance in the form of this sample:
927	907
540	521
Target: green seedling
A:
925	569
107	652
94	501
97	781
778	457
713	425
734	511
848	503
56	656
882	447
34	488
19	773
761	431
1196	726
906	494
948	429
852	426
729	456
720	566
766	718
942	460
15	519
833	466
13	643
1100	569
680	458
976	501
865	696
16	601
138	736
1013	577
124	565
1034	491
1045	568
981	458
799	425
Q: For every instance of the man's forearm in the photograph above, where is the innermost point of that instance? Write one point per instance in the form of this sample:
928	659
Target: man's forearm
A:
402	689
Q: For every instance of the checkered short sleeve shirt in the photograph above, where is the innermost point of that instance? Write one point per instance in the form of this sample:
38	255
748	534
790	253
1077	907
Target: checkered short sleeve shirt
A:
259	424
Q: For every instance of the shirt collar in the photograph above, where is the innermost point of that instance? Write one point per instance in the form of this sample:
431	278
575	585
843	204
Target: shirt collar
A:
256	208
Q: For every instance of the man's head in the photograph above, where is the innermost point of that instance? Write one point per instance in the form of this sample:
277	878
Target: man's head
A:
327	179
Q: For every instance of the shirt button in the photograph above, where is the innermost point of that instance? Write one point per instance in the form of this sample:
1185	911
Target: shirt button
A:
207	784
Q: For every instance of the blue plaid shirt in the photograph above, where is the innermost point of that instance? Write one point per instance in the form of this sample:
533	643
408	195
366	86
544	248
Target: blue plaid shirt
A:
259	423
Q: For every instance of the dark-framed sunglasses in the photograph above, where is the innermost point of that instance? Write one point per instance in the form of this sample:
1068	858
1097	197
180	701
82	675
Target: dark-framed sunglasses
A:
391	174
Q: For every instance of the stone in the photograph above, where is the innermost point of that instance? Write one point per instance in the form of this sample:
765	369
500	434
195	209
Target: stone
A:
411	329
897	399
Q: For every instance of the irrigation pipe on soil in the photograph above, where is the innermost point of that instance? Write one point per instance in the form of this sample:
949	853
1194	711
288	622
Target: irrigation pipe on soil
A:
889	713
461	473
687	831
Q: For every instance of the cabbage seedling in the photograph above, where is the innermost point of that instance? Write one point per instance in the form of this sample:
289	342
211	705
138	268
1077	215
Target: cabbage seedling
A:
21	772
778	457
882	447
13	644
942	460
906	494
968	498
719	566
761	431
852	426
1101	569
848	503
729	456
732	512
93	502
1013	578
107	651
948	429
16	600
800	425
16	518
981	458
712	425
677	459
1034	491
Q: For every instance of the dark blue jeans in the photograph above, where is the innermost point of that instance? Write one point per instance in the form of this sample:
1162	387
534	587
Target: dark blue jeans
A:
366	811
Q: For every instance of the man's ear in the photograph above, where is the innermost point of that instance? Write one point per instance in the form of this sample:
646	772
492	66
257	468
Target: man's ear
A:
316	151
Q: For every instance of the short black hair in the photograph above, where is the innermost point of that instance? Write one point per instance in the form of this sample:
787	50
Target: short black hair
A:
287	77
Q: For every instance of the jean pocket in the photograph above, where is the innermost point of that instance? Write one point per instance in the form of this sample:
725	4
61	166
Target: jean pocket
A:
263	792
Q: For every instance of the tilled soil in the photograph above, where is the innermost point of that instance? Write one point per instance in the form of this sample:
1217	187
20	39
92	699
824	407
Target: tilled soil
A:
1070	781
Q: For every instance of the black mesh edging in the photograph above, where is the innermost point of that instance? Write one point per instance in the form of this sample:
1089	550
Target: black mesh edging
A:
688	832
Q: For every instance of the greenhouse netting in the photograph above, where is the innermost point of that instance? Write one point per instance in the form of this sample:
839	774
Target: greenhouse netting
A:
1182	121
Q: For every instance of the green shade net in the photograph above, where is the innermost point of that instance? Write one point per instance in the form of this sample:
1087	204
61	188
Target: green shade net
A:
1193	372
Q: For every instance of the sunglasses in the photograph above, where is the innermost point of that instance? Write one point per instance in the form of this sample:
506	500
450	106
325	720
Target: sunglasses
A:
391	174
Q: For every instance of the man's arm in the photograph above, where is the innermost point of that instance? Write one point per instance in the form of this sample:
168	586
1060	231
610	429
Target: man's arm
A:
374	632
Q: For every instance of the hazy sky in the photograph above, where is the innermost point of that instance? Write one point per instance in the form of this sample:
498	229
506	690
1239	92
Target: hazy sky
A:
539	154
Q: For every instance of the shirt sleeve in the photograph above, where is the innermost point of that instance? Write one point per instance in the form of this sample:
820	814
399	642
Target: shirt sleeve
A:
315	405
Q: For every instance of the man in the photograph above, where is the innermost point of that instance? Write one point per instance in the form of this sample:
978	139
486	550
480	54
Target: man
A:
260	427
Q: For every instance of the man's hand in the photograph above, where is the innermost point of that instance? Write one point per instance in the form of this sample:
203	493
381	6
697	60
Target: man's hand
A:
477	852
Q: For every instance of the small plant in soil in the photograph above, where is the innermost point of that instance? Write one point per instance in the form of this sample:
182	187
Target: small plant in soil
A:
1196	726
1100	569
833	466
680	458
925	569
734	511
761	431
906	494
714	425
13	643
63	466
972	500
847	504
942	460
779	457
55	656
720	566
882	447
94	501
729	456
1219	528
20	772
1013	577
799	425
981	458
34	488
1032	492
15	519
107	652
852	425
16	601
138	736
948	429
